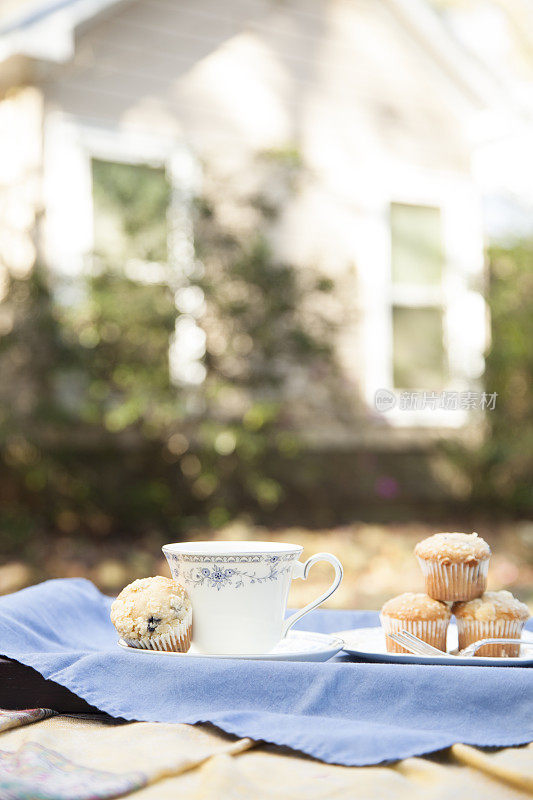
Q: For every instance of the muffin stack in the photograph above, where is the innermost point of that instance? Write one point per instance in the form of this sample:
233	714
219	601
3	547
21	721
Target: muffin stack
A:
455	567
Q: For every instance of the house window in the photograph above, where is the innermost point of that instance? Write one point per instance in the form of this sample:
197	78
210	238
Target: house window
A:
130	205
417	261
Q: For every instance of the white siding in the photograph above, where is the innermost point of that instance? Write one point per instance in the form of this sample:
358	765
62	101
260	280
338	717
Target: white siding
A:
342	80
348	59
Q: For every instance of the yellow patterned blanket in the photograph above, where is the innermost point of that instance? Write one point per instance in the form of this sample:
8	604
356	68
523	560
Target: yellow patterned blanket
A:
53	757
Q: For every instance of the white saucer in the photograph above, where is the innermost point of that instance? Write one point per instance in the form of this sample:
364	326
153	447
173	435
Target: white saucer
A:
368	644
297	646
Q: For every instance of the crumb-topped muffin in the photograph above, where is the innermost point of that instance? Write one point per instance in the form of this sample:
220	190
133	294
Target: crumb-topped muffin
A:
493	615
419	614
154	614
455	565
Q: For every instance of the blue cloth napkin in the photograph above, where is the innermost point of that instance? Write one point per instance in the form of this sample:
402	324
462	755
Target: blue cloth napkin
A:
340	711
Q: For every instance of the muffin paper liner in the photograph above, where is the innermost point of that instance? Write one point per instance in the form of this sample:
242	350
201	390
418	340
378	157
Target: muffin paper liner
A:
432	631
455	581
472	630
178	641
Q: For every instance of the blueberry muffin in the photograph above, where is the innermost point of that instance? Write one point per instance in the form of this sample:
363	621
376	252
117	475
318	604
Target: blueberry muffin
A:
494	615
455	565
154	614
419	614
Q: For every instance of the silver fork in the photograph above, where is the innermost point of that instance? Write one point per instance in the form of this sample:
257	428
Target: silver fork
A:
414	644
472	648
420	648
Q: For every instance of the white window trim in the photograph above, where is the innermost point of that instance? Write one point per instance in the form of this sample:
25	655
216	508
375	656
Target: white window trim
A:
70	144
459	202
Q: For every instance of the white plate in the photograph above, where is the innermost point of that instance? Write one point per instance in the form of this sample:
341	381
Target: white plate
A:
368	644
297	646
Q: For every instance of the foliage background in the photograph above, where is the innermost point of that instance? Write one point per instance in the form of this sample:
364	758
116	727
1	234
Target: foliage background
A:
97	440
100	450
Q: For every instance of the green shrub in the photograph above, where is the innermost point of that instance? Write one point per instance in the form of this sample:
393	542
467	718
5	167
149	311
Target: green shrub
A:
95	438
507	455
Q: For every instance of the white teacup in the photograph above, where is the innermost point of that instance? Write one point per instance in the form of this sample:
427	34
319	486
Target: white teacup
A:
239	591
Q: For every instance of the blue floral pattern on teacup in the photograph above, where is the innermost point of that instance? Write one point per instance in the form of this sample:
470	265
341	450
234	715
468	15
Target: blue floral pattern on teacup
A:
218	578
220	575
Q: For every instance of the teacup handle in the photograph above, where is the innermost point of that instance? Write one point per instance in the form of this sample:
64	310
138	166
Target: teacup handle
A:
301	571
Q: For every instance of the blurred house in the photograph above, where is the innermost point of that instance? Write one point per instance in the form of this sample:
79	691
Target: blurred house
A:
395	118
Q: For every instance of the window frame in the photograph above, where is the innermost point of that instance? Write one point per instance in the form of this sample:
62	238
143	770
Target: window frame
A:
418	295
462	286
144	270
70	145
